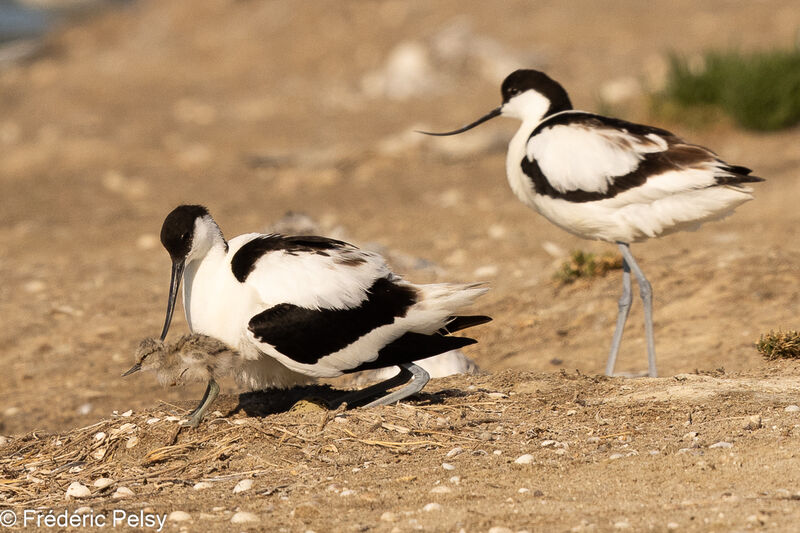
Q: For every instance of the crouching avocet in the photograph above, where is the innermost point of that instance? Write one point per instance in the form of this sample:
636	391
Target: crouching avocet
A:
606	179
303	307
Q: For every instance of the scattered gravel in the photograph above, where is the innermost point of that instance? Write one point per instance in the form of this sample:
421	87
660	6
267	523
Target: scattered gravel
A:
77	490
103	482
721	444
455	451
243	486
179	516
122	492
243	517
753	422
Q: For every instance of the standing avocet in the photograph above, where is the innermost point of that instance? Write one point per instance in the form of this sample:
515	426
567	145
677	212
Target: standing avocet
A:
302	307
611	180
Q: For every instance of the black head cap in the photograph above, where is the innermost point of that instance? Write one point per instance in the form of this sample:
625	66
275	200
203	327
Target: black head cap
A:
178	229
522	80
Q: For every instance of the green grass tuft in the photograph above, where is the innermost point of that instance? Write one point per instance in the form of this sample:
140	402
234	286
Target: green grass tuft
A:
779	345
583	265
760	90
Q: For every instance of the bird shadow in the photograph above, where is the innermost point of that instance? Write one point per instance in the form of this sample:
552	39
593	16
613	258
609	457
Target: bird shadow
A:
274	401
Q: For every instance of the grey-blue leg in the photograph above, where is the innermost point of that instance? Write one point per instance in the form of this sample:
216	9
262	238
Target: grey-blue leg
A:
622	316
212	390
646	293
408	371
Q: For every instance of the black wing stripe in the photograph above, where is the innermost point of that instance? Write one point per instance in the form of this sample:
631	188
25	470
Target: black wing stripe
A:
306	335
413	347
679	155
245	258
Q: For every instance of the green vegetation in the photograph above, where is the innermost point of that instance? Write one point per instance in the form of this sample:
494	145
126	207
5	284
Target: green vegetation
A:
586	265
775	345
760	90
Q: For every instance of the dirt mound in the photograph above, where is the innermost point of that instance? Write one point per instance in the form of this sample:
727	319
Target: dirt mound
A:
525	450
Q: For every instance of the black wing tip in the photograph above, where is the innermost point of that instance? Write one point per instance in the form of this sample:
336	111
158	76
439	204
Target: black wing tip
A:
742	174
463	322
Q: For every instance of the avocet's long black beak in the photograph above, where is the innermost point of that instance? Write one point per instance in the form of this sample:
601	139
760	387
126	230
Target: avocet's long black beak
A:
493	113
133	369
174	285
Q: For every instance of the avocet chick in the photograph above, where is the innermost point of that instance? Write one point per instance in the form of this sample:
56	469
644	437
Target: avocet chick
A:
191	358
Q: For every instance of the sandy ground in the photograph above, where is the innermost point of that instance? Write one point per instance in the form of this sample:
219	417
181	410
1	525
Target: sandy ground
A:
258	108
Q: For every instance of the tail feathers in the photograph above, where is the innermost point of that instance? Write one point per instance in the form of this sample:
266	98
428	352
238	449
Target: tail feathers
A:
413	347
457	323
450	296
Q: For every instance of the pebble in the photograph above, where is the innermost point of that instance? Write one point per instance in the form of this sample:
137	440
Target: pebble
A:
202	485
243	486
127	413
721	444
454	452
672	526
497	395
615	456
622	524
448	466
498	452
99	453
441	489
792	408
103	482
172	419
243	517
3	440
179	516
523	490
524	459
455	480
122	492
388	516
151	421
347	492
99	436
500	529
546	443
432	507
77	490
132	441
83	510
753	422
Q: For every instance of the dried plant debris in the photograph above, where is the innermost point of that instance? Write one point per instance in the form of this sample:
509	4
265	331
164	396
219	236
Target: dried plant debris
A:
779	345
586	265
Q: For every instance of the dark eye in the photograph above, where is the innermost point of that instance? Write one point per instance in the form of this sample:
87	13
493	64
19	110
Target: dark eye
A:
513	91
185	236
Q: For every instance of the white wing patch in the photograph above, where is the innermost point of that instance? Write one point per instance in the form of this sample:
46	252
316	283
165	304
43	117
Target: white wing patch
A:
337	280
603	154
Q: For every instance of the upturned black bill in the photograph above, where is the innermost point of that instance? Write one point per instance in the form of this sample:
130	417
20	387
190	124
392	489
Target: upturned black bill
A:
493	113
